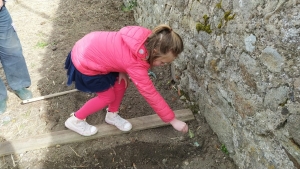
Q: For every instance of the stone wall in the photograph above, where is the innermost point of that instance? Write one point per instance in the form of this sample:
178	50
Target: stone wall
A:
240	68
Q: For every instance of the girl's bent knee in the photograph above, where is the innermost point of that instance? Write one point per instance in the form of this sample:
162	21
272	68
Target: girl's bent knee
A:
107	96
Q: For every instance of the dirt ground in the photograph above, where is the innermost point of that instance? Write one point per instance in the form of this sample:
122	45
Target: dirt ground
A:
48	30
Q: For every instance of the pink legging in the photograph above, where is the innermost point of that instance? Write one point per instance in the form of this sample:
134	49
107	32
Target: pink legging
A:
111	97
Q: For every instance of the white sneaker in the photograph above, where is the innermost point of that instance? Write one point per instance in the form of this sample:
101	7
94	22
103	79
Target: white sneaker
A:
118	121
80	126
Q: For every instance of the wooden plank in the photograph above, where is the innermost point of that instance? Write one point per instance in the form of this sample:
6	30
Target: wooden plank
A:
68	136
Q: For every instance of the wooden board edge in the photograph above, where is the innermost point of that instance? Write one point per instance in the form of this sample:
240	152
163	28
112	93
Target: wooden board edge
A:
68	136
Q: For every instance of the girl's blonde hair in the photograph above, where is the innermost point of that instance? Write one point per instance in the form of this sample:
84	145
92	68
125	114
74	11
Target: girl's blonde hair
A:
163	39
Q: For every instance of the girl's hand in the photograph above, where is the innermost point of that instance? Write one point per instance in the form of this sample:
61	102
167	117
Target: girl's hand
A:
179	125
124	77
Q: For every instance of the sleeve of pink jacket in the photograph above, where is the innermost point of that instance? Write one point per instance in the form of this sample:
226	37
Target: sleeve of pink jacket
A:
142	81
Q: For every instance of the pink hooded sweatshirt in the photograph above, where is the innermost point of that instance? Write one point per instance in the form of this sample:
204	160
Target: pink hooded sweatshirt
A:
123	51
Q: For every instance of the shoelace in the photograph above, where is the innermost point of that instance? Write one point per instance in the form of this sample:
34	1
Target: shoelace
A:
83	124
120	119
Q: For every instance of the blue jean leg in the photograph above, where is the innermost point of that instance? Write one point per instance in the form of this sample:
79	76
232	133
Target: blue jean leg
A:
3	92
11	56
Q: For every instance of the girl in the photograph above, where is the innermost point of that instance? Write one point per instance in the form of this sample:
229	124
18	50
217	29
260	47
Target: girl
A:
100	62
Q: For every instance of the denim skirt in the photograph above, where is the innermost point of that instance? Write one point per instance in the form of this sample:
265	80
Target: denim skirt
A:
90	84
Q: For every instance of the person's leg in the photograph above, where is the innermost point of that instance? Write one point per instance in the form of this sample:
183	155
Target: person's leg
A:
77	121
5	24
14	64
13	61
95	104
119	90
3	92
3	97
112	116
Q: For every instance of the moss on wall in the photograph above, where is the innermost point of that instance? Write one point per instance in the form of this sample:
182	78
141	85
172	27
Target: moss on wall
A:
223	22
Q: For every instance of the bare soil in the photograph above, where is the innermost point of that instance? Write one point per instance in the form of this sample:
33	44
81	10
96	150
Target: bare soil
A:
48	31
